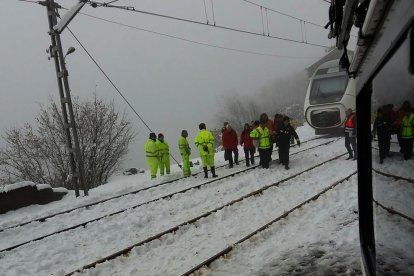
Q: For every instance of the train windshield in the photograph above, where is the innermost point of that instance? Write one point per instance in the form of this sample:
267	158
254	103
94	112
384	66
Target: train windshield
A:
327	90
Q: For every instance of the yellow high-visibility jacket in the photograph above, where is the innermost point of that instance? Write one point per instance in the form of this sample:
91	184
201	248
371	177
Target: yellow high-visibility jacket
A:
151	149
204	138
407	126
261	133
183	146
163	147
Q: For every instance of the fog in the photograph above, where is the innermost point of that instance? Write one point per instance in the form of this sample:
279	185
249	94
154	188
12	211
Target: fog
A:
173	84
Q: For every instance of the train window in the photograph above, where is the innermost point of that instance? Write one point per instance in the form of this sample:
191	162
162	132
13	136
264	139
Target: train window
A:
392	105
328	89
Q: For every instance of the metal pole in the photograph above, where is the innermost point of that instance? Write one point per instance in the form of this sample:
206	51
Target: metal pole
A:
56	53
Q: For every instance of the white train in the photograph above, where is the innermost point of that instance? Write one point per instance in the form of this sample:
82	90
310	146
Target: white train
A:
330	93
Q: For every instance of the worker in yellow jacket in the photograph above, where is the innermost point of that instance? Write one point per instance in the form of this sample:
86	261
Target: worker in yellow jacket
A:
204	141
164	154
152	155
185	152
261	136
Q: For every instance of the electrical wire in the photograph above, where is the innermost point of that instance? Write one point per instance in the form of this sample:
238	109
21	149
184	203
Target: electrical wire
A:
282	13
132	9
113	84
193	41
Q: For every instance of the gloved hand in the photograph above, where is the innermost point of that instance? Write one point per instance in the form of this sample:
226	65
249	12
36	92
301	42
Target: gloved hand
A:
298	141
205	148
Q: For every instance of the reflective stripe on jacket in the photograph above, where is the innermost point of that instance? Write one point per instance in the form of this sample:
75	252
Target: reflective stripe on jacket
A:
204	138
151	149
163	147
407	125
263	135
183	146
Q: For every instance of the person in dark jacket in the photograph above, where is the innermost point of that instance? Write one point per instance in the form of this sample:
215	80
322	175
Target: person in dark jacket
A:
247	142
350	134
383	127
277	122
230	142
284	135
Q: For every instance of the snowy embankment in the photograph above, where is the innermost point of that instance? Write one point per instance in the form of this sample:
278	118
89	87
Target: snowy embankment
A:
34	230
320	236
208	236
122	230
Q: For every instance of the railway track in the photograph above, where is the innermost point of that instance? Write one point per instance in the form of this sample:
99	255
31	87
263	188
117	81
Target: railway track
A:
85	223
228	249
394	176
392	209
44	218
250	195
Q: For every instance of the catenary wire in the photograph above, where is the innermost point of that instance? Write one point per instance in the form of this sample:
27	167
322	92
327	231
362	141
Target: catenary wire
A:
132	9
282	13
193	41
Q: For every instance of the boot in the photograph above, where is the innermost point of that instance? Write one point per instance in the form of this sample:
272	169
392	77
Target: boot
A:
205	172
350	157
213	171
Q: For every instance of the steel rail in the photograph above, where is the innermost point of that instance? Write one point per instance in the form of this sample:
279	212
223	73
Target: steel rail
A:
83	224
393	211
44	218
394	176
264	227
193	220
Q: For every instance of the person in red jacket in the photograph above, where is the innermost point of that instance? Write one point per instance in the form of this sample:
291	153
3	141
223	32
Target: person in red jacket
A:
230	142
247	142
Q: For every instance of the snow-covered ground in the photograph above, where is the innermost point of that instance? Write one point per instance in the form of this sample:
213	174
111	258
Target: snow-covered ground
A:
319	238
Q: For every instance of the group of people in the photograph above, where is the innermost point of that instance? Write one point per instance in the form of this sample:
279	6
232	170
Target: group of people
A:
262	134
265	133
401	123
157	152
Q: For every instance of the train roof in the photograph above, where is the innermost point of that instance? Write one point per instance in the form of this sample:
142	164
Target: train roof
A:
382	26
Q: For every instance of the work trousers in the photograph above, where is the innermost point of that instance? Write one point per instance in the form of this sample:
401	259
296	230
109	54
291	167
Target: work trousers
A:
384	146
249	155
152	163
164	164
265	155
186	165
350	142
229	156
407	148
284	154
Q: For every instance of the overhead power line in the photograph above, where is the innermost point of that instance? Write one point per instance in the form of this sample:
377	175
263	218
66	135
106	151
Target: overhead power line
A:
132	9
109	79
193	41
282	13
113	84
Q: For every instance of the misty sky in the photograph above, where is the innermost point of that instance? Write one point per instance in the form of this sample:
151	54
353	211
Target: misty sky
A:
172	84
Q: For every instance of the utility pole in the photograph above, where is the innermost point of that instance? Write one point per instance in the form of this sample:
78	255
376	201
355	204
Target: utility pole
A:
75	157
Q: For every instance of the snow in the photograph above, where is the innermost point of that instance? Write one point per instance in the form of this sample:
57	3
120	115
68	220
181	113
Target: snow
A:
60	190
43	186
321	236
14	186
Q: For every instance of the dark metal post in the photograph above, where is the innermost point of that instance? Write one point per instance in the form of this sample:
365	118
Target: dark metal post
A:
56	53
